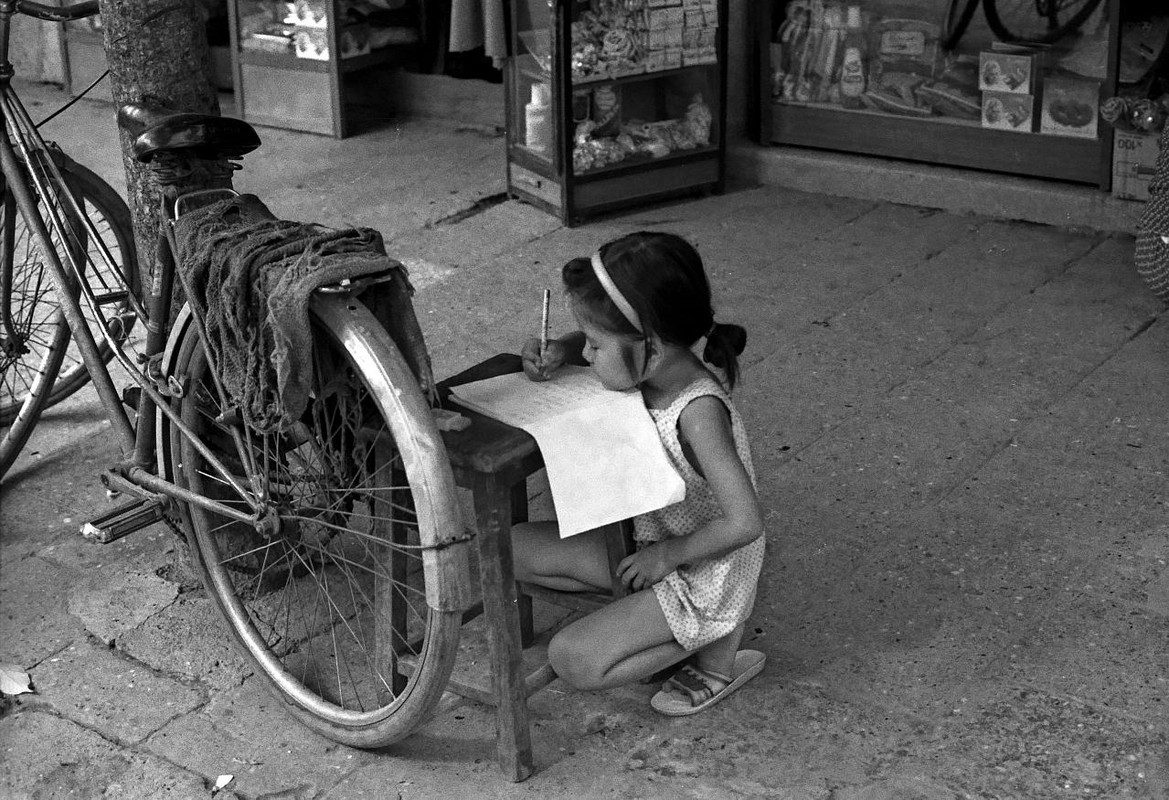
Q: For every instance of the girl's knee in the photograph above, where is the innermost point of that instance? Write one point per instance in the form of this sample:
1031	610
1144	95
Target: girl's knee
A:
572	659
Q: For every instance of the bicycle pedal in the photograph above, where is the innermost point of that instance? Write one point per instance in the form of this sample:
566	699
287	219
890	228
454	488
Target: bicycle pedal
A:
123	520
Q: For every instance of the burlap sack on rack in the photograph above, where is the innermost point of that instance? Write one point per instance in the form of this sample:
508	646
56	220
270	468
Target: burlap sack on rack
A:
250	277
1152	251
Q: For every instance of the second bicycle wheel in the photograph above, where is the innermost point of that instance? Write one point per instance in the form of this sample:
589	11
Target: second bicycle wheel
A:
35	314
1037	21
956	21
344	596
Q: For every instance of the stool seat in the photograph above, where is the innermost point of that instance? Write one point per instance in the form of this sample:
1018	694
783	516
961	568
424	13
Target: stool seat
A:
493	460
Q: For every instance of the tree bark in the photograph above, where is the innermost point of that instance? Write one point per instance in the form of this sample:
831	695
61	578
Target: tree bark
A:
157	52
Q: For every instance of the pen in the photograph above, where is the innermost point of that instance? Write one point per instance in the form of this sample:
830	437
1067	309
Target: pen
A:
544	323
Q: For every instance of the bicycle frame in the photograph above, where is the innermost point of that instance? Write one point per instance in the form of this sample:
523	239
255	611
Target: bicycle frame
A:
137	441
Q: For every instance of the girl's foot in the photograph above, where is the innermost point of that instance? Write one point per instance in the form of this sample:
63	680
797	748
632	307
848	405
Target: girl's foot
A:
691	689
663	674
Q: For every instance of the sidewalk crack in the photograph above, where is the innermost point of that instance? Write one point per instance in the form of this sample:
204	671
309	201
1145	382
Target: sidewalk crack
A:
478	207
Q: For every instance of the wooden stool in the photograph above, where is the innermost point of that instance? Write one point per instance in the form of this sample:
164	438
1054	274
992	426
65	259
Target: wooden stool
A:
493	461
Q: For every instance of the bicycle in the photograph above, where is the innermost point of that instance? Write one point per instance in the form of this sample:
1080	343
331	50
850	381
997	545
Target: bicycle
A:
39	365
330	544
1018	21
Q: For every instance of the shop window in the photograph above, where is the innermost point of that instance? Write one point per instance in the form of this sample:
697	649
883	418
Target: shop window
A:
989	84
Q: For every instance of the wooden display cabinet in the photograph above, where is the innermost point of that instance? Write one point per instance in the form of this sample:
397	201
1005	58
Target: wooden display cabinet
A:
917	133
613	103
296	63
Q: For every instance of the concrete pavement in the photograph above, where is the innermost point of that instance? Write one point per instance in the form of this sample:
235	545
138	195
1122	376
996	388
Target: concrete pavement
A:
959	429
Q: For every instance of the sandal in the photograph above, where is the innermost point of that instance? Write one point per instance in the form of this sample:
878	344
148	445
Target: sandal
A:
691	689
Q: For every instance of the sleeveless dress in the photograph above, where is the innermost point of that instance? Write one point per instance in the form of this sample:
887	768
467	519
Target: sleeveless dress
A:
703	602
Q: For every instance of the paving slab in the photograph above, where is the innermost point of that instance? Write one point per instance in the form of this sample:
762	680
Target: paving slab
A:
105	691
244	733
110	605
35	624
188	638
80	763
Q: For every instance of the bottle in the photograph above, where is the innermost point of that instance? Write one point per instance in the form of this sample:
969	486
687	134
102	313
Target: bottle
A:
853	61
538	119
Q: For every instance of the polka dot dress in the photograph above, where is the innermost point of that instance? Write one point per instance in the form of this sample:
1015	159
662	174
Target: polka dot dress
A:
703	602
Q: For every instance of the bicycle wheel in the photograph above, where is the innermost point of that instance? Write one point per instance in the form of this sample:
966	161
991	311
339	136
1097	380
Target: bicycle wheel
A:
31	293
33	339
111	283
339	603
956	21
1037	21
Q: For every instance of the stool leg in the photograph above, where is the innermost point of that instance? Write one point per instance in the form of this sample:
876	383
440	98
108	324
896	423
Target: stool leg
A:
497	578
519	513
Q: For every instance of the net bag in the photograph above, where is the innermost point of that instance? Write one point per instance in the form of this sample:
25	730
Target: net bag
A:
249	276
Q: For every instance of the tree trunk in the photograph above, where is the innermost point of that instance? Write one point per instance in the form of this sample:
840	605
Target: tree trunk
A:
157	52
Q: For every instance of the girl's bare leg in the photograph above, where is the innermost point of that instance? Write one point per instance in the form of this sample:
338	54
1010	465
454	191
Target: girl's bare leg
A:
617	644
719	656
579	563
622	642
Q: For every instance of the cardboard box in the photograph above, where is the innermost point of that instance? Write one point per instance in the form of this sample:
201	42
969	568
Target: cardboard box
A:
1134	162
1071	107
1008	111
1016	73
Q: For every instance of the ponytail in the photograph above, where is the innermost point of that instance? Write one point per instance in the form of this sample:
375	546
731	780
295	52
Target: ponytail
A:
724	343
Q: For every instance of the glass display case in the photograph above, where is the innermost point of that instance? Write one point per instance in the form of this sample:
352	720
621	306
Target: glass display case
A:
297	62
611	103
990	85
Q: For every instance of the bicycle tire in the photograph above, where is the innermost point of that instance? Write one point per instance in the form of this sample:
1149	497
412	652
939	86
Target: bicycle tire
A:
955	23
111	218
1012	26
35	393
329	484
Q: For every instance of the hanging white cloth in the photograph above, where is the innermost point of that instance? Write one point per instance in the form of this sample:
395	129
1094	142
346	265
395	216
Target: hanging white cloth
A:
479	23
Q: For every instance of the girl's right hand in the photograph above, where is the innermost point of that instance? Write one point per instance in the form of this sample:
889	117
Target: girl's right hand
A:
541	368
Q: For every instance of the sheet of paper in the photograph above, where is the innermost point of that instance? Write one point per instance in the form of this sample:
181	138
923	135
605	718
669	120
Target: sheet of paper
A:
605	464
517	400
604	458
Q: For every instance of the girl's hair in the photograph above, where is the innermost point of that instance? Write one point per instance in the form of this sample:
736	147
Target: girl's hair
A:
662	278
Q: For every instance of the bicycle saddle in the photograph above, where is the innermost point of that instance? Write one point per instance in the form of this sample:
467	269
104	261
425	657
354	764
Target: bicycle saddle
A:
158	129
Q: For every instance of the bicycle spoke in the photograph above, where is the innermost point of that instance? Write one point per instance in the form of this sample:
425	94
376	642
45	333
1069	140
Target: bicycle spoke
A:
328	591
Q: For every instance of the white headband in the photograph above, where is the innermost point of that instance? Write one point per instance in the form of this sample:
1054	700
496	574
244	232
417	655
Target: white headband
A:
615	293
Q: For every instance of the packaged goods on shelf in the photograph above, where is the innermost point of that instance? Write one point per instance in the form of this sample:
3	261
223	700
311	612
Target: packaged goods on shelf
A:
268	42
666	58
666	17
665	38
1008	111
307	13
641	138
1134	163
902	68
1070	107
313	43
1016	73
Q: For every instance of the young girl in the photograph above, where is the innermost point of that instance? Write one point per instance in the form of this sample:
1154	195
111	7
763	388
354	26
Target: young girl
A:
642	302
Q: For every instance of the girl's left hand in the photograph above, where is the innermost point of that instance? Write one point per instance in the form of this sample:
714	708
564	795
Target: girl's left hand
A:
646	567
